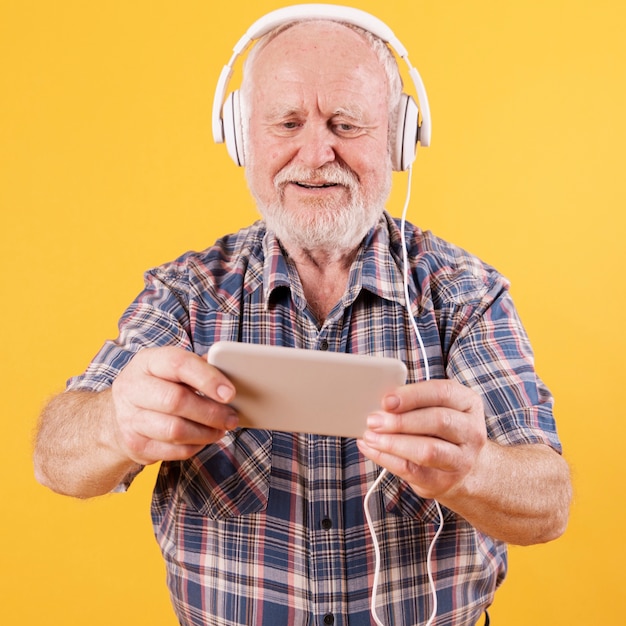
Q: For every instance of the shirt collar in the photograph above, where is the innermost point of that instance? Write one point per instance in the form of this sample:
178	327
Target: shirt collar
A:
377	267
279	273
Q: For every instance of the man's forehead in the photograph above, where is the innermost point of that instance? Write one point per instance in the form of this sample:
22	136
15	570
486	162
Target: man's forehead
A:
350	98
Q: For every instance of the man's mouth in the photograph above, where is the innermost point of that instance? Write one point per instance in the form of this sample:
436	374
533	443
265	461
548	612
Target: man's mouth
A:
314	185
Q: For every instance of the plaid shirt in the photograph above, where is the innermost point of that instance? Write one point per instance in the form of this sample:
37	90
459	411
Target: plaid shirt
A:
267	528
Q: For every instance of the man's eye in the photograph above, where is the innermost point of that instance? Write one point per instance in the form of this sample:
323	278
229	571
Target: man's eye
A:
290	125
346	128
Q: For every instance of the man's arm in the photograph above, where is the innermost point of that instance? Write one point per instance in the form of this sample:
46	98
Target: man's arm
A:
74	452
433	435
167	404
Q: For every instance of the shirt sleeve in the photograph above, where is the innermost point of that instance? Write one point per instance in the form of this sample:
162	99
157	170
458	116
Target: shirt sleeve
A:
492	354
159	316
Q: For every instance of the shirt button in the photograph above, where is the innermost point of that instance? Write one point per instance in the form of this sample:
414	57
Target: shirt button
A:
324	344
329	618
327	524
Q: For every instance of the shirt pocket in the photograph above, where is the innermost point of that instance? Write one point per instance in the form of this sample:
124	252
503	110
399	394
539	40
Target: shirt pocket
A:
230	478
401	500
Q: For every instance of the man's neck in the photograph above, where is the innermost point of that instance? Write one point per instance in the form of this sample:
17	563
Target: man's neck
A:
324	277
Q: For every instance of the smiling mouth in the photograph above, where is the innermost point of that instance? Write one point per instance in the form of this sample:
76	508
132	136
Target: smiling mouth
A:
314	186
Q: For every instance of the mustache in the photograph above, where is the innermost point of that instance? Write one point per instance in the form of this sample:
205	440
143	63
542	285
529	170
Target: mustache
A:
330	173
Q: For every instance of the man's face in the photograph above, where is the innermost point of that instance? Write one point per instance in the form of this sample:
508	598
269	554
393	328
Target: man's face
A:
317	151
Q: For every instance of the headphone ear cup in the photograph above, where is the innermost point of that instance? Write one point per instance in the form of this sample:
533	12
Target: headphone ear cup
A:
407	134
233	130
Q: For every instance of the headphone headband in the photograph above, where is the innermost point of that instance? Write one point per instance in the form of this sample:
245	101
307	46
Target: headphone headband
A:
337	13
299	12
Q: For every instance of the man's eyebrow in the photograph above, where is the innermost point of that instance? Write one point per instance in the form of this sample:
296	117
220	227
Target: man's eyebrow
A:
281	112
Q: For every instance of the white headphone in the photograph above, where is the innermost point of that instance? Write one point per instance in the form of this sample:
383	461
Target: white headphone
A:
227	127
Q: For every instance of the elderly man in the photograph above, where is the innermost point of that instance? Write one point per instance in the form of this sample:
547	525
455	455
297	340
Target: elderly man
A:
261	527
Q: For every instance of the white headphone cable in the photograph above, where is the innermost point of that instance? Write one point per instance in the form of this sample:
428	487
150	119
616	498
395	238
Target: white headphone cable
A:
370	524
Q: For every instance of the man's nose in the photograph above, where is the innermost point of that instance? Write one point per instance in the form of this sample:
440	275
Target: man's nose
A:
317	146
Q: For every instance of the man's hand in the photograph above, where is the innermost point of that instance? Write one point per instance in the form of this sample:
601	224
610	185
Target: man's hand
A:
168	404
431	434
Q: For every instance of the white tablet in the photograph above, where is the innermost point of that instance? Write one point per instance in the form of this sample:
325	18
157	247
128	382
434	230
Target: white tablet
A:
307	391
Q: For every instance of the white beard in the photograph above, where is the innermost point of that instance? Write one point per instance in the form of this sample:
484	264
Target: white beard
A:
330	226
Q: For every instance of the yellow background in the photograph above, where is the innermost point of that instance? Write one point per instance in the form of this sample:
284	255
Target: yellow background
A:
107	167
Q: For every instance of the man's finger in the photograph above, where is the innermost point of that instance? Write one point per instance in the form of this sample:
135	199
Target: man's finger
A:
432	393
